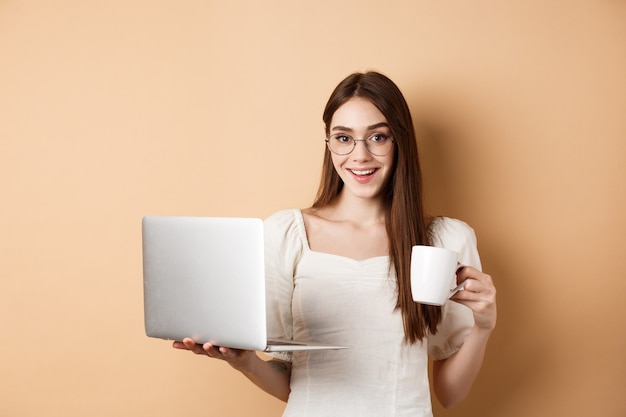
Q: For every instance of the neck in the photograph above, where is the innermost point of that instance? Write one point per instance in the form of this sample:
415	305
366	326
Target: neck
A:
358	210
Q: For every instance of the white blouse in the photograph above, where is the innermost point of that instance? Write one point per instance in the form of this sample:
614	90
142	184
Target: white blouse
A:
325	298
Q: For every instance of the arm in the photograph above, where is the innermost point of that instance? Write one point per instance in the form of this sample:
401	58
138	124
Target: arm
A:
453	377
271	376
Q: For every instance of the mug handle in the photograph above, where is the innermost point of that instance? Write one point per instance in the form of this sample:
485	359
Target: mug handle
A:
461	286
458	288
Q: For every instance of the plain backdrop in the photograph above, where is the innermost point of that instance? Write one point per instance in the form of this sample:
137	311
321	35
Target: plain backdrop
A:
114	110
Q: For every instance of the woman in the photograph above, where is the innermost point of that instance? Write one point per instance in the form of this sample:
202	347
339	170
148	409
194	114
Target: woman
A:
339	272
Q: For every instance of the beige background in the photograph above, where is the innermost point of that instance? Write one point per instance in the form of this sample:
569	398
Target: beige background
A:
113	110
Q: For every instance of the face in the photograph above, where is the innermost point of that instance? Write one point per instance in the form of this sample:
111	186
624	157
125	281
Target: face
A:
364	175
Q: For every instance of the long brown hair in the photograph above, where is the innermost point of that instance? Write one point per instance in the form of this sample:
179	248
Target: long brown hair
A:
404	216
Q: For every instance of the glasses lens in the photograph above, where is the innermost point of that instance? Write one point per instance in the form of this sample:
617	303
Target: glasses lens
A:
341	144
379	145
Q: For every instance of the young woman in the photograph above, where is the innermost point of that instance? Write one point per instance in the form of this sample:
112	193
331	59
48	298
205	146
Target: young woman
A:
339	273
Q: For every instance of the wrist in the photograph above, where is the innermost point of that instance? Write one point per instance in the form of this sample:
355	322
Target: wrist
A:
245	362
480	332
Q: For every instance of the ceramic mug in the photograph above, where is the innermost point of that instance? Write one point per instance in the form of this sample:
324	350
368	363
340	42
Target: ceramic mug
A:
433	274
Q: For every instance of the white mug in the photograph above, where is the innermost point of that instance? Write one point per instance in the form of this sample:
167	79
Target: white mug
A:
433	274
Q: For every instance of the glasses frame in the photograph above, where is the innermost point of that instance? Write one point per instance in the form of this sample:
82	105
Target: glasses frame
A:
354	141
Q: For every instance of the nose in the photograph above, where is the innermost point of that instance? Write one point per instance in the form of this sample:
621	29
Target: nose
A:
360	151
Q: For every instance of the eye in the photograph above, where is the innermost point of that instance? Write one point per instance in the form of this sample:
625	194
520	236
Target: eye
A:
342	138
378	138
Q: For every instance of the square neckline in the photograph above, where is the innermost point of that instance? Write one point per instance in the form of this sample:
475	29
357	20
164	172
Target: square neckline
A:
299	216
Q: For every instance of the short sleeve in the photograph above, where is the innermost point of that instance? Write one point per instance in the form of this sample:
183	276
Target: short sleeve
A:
457	320
283	247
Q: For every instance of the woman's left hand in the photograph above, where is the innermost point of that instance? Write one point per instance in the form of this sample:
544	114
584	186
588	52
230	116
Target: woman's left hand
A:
479	294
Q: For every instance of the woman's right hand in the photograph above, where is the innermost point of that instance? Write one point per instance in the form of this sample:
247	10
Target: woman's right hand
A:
237	358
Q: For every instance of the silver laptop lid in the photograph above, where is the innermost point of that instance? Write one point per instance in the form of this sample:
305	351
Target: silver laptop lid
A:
204	278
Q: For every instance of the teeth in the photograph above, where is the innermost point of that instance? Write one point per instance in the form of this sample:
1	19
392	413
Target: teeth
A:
364	172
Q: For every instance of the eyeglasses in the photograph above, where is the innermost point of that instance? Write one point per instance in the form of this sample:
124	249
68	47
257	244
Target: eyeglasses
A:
377	144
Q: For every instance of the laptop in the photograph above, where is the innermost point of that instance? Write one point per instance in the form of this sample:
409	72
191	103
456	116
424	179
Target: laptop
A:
204	278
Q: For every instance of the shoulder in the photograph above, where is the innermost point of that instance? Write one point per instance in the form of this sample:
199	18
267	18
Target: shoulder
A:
285	241
285	225
444	228
283	219
457	235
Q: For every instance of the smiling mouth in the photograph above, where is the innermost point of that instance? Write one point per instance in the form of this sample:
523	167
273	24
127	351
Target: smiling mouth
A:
363	171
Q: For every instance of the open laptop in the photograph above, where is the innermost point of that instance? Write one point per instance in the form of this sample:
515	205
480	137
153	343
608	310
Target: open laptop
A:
204	278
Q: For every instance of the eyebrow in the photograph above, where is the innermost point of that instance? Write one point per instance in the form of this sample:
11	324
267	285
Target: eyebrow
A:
348	129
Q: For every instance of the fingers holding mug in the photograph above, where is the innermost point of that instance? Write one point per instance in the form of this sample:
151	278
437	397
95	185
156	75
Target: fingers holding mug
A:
473	280
479	294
